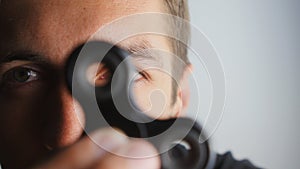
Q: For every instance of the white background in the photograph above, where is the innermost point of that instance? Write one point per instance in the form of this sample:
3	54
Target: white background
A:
258	42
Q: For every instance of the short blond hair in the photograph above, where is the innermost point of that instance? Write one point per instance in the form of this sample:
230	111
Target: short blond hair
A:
180	9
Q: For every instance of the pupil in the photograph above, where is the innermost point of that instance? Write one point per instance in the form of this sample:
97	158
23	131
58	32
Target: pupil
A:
21	75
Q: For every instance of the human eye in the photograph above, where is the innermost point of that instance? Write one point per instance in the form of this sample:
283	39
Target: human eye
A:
19	76
142	76
98	75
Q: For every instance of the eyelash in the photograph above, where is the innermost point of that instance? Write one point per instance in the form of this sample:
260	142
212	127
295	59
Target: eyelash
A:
144	75
9	77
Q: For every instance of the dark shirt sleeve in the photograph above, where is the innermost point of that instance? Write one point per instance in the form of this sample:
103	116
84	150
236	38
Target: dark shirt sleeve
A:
227	161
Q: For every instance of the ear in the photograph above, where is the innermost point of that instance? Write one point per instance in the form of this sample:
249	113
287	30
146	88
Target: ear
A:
183	92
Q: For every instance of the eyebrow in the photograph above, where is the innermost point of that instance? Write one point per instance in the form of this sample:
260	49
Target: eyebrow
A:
144	53
140	50
23	56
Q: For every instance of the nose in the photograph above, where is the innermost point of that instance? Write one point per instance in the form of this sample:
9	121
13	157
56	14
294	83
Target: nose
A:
63	118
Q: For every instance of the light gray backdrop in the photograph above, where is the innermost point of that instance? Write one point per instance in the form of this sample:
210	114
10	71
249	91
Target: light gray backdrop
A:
259	44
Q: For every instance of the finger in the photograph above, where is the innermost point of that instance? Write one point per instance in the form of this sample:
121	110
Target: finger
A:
136	154
87	152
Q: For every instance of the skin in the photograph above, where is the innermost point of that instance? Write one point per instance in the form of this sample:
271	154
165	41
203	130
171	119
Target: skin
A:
39	116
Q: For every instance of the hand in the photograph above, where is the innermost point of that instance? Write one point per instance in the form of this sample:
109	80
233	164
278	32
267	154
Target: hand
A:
87	154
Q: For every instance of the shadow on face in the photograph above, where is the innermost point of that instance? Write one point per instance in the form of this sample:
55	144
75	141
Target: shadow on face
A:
38	114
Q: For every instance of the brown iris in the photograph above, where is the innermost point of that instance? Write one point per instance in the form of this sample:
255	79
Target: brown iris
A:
98	74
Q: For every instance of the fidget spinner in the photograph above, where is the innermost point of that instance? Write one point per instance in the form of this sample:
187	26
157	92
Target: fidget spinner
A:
178	139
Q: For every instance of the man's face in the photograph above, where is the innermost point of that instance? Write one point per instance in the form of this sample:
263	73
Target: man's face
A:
37	37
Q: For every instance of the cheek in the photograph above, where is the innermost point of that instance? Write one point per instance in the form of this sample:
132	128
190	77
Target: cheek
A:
17	113
35	118
19	128
21	109
154	98
141	96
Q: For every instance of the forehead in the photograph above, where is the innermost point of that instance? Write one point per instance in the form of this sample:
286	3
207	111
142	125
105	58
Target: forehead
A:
55	27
